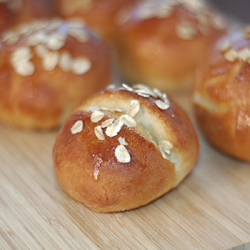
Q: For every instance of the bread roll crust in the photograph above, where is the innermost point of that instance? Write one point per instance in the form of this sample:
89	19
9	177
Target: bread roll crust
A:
15	12
163	51
38	90
33	9
100	15
90	172
118	186
221	96
6	16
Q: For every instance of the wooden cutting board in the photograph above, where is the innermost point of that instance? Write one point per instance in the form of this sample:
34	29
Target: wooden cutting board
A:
209	210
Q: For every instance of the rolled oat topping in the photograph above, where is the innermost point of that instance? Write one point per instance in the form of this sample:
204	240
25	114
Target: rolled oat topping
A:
108	122
231	55
20	61
128	121
25	68
113	129
80	65
244	54
135	108
50	60
218	22
186	30
77	127
140	88
161	105
93	109
41	50
99	133
225	46
122	154
65	61
97	116
128	88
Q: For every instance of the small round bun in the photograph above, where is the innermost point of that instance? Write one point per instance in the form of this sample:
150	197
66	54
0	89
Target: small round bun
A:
100	15
124	148
161	42
222	95
47	68
15	12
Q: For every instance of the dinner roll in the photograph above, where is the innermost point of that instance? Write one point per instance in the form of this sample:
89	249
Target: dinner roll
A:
222	95
123	148
161	42
47	68
100	15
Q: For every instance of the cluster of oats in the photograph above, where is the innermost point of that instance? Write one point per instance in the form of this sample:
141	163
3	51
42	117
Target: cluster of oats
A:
145	91
45	39
185	29
233	55
162	103
13	5
111	127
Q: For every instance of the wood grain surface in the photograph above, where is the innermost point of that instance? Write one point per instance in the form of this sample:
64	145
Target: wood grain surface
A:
209	210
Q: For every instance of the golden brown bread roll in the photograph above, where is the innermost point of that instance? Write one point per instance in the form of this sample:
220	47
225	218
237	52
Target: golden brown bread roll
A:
14	12
100	15
222	95
160	42
124	148
47	68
